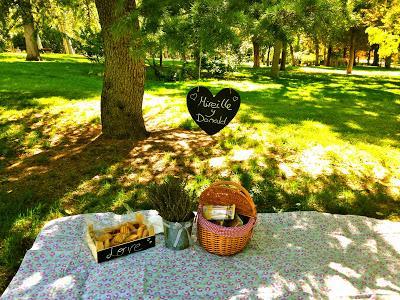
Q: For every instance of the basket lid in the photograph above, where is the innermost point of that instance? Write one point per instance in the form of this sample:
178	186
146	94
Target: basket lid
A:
228	193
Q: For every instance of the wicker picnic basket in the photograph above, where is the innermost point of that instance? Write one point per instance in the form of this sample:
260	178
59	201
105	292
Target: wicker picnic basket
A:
226	240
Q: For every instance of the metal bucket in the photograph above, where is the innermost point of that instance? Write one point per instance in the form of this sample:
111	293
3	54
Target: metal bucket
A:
177	235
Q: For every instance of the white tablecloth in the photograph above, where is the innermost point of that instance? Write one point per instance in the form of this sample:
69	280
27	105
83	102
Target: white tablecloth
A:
295	255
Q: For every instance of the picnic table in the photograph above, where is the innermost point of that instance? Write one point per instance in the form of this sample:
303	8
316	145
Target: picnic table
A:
292	255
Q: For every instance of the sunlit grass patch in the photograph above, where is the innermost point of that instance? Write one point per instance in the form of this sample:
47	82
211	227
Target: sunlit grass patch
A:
29	131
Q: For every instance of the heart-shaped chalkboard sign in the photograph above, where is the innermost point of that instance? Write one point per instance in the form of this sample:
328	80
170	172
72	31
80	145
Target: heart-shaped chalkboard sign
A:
212	113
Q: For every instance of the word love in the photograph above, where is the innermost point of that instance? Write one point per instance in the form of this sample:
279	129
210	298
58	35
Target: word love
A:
125	249
212	113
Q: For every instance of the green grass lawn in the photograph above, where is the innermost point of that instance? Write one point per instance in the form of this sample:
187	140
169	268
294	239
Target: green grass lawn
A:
315	139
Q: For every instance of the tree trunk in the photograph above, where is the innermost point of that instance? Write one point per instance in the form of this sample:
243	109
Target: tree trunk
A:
68	46
329	56
66	40
32	51
355	58
275	59
39	42
196	55
324	55
376	55
269	50
161	52
316	53
124	75
262	56
369	56
292	55
351	51
284	52
256	52
388	62
344	53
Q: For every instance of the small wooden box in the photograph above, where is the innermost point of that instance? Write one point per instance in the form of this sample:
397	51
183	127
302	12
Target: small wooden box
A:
130	234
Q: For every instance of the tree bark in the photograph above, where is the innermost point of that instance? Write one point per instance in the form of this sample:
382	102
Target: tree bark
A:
388	62
68	49
355	58
316	52
329	56
39	42
256	54
66	40
161	52
284	54
376	55
369	56
275	59
124	75
351	51
269	51
32	51
292	55
262	56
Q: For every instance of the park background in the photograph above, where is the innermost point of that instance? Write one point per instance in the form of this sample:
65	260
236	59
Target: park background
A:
318	127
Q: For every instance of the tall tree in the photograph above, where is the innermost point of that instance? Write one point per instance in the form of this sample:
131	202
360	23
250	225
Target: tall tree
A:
375	48
22	14
316	44
356	11
68	49
253	29
388	43
268	53
32	50
329	56
321	21
124	75
284	54
200	27
384	29
275	59
350	63
292	54
256	52
278	20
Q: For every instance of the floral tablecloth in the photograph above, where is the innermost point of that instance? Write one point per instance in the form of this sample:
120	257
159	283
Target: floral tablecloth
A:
292	255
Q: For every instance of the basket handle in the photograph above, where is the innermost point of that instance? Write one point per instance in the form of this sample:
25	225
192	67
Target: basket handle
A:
240	188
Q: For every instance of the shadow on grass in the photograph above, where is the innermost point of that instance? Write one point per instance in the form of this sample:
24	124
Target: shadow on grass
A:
83	174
